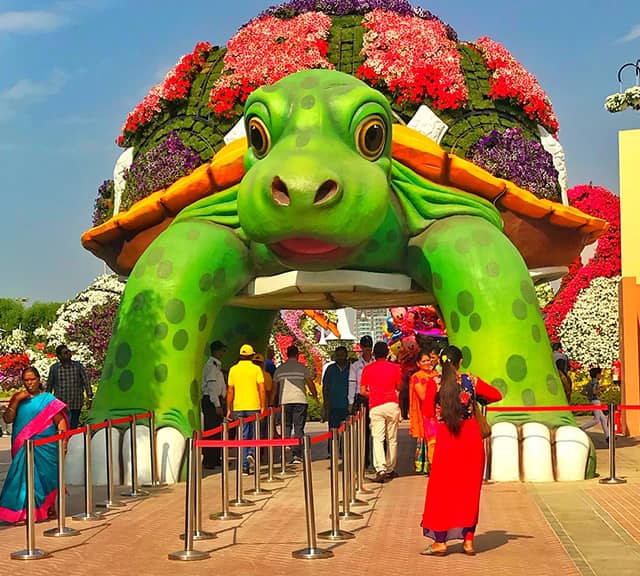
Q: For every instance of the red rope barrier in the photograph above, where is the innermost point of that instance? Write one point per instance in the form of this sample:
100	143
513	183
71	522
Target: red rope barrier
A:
342	428
321	437
49	439
247	443
579	408
143	416
75	431
99	426
122	420
628	407
212	432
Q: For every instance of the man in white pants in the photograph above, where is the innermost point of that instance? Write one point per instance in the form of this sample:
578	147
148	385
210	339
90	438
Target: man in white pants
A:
380	382
593	393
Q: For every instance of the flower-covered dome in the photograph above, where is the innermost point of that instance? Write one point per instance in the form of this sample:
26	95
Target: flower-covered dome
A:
455	92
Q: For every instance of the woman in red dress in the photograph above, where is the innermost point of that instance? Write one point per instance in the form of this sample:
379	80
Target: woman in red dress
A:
453	493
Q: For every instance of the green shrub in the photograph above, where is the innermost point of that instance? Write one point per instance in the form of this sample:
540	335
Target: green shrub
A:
314	412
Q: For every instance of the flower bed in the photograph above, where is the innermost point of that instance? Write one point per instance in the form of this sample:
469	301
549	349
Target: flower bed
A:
175	86
618	102
414	58
266	50
511	81
103	205
511	156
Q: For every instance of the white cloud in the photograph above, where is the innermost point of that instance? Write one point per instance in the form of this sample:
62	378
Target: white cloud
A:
30	21
633	34
27	91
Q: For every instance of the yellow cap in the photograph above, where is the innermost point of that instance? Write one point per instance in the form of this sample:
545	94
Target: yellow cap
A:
246	350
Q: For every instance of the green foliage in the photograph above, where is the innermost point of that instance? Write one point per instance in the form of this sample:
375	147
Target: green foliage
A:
39	314
11	314
314	412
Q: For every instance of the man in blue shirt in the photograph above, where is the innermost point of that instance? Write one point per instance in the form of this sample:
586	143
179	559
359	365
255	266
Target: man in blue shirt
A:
335	388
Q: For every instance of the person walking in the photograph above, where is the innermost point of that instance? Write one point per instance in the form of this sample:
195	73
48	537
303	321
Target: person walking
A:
291	379
356	400
453	493
214	393
592	391
380	383
35	414
68	382
246	397
335	389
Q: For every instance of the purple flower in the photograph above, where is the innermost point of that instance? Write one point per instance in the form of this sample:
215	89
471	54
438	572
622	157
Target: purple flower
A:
158	168
511	156
103	206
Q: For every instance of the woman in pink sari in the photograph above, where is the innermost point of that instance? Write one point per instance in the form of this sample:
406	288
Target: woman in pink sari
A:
34	414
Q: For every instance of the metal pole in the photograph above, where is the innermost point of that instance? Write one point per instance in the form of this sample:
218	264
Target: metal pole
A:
612	450
110	502
61	530
335	533
133	441
349	454
311	552
271	423
284	472
155	482
239	501
89	511
257	490
188	553
225	514
31	552
198	532
347	513
362	445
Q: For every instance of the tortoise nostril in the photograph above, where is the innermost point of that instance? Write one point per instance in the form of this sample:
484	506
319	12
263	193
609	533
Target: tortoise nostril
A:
279	192
327	190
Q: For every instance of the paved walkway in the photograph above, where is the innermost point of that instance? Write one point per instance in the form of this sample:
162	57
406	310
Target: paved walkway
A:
578	528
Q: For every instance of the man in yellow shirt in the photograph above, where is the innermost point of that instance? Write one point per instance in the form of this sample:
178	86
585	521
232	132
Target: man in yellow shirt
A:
245	397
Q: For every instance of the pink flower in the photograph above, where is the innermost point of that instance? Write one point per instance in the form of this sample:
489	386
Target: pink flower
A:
267	50
414	58
510	80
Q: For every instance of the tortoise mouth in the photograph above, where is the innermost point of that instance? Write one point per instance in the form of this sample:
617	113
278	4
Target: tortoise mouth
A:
308	249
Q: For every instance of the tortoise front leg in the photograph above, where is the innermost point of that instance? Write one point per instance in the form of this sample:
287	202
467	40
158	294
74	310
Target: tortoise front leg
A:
168	310
490	308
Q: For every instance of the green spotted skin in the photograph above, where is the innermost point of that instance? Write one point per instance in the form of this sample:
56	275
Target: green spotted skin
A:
491	312
383	218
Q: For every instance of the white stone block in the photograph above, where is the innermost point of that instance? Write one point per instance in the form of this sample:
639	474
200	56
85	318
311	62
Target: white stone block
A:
572	452
99	457
505	459
536	453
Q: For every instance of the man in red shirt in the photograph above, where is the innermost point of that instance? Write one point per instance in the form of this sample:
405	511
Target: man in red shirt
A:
380	382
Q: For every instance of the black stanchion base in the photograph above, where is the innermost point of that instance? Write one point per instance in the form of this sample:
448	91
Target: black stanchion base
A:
613	480
66	531
225	516
335	536
312	554
188	555
35	554
201	535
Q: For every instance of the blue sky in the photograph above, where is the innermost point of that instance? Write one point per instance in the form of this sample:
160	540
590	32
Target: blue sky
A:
73	69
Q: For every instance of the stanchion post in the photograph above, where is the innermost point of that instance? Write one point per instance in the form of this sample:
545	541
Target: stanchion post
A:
347	513
350	454
311	552
359	457
284	473
239	501
335	533
31	552
155	482
134	492
109	502
61	530
363	452
271	423
198	532
612	479
89	511
257	490
188	553
225	514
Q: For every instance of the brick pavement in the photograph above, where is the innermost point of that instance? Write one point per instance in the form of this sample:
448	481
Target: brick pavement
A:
524	530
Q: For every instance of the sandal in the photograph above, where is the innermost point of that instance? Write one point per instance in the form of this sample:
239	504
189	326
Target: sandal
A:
429	551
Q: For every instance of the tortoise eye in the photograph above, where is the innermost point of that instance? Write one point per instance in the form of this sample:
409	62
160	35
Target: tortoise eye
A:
259	138
371	137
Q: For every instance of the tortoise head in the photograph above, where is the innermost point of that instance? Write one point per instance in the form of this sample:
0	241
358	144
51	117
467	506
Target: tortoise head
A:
316	186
